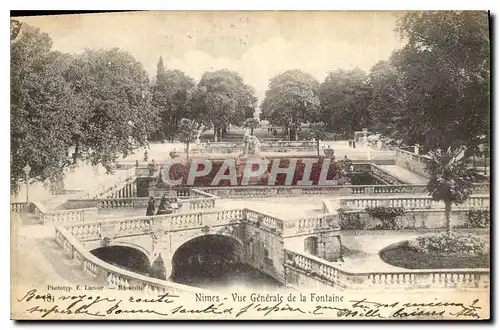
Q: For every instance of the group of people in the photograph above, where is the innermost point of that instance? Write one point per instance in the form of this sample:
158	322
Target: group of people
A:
165	207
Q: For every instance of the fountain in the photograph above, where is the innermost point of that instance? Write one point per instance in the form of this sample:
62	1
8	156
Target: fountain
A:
251	151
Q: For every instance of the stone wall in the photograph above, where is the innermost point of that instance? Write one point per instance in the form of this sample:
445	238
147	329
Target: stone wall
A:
264	250
434	218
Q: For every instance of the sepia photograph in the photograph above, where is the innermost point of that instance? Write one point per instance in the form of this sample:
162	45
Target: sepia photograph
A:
250	165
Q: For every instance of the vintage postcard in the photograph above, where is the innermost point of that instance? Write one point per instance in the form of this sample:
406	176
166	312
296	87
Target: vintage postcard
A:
245	165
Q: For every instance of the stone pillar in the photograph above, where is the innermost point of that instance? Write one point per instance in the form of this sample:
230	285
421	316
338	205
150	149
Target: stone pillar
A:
331	246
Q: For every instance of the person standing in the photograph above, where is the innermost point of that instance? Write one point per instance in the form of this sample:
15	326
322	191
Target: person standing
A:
151	206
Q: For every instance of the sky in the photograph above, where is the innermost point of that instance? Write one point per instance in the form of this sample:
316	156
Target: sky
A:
258	45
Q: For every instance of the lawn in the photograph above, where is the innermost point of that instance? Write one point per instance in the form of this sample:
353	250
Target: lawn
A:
404	256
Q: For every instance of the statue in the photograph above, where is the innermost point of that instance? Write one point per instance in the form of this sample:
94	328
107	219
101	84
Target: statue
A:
252	146
251	153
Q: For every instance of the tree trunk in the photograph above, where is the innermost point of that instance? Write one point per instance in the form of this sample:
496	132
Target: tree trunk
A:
187	150
75	154
293	134
317	146
447	215
219	134
251	130
474	160
224	130
215	134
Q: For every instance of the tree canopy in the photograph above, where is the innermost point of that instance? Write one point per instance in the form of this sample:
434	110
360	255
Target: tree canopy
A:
113	88
437	86
291	99
345	97
222	99
171	96
97	101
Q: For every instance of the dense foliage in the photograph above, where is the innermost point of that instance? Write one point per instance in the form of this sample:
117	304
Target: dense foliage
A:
450	179
452	244
389	216
478	219
97	102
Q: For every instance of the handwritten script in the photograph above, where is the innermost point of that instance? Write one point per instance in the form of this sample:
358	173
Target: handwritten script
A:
48	305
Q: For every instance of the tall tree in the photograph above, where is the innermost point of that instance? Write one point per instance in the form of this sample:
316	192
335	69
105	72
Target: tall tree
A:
446	70
44	111
388	103
291	99
318	131
171	95
345	96
114	90
187	133
223	98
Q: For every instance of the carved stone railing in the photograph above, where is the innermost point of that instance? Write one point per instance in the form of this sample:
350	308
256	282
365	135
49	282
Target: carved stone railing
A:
323	271
124	189
411	161
201	203
264	220
196	193
64	216
385	176
411	202
17	207
190	220
312	225
138	202
338	190
113	276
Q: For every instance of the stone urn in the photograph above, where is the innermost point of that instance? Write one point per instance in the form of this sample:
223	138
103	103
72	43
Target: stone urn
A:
328	152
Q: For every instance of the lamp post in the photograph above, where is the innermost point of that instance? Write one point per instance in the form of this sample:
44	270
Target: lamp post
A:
27	170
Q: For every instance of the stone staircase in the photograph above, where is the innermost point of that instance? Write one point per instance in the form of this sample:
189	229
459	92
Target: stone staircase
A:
404	174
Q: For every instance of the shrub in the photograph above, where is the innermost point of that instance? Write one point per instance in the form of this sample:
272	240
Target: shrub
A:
350	221
390	216
453	244
478	219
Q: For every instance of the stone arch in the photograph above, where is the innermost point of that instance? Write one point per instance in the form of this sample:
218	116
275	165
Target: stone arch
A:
139	247
205	252
127	256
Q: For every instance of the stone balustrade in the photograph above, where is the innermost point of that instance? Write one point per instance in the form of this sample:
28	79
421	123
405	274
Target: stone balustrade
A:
145	224
411	202
202	203
17	207
113	276
338	190
124	189
312	225
196	193
138	202
385	176
411	161
321	270
264	220
64	216
318	223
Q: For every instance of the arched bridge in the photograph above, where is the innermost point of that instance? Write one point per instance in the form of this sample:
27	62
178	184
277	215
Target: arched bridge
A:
244	236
